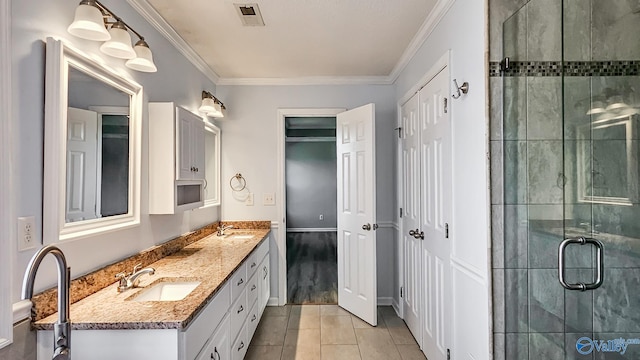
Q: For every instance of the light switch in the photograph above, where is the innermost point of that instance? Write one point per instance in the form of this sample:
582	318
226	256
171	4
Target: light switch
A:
268	199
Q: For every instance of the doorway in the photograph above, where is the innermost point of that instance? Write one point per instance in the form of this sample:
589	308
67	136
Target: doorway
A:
311	207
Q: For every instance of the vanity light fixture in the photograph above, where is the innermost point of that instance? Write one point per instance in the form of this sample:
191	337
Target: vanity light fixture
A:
211	106
91	21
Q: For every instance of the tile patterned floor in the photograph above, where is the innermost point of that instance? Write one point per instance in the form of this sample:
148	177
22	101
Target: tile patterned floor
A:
328	332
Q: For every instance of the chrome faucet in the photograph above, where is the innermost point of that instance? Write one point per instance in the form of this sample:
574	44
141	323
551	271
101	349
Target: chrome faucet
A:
128	281
222	228
62	328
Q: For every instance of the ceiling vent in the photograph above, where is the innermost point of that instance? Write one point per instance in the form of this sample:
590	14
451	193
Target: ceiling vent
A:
249	14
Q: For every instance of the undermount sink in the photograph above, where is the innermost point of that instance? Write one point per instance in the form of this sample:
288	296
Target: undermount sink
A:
241	236
167	291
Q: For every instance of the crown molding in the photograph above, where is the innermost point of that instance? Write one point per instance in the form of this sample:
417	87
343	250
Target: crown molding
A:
159	23
427	27
311	80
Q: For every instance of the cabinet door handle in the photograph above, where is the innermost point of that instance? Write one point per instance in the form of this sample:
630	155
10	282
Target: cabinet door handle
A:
265	272
253	318
215	352
253	265
241	281
253	287
241	345
241	309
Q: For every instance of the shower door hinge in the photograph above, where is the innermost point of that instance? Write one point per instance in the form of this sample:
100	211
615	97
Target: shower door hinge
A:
445	105
505	64
399	132
401	291
448	354
446	230
400	212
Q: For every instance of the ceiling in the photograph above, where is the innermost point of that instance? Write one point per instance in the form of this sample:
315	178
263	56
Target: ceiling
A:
300	39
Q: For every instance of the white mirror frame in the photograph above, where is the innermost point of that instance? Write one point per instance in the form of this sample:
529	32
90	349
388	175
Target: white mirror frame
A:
59	57
216	131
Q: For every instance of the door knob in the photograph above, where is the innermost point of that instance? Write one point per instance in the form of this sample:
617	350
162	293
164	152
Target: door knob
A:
366	227
417	234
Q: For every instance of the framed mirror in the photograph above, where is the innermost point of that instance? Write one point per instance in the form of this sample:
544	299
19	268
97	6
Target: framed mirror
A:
212	164
607	160
93	118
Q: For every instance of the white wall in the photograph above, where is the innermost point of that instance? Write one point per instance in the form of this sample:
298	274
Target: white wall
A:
463	31
249	146
176	80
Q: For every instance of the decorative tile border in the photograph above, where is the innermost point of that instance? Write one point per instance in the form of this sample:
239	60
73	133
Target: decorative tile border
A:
567	68
45	303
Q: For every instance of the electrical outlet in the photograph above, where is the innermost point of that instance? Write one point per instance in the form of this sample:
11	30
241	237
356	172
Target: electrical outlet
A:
249	200
268	199
26	229
321	217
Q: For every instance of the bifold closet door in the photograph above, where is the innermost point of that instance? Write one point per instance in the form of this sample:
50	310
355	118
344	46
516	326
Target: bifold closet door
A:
412	247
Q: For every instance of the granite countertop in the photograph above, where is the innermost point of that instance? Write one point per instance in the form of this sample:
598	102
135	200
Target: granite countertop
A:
211	261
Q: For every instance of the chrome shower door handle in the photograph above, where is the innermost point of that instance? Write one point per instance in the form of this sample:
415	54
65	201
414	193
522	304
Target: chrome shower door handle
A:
599	264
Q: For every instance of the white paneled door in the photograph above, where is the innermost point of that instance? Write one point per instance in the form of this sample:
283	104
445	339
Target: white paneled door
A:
357	292
82	172
435	215
410	137
427	212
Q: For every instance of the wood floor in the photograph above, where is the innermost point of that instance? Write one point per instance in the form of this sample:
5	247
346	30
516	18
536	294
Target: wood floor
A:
312	268
328	332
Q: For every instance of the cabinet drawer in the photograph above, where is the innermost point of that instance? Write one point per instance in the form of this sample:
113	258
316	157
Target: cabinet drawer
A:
238	313
252	320
239	348
220	345
238	282
252	264
253	290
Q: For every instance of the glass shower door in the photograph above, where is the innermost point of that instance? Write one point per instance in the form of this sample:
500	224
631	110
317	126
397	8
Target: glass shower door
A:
601	204
571	145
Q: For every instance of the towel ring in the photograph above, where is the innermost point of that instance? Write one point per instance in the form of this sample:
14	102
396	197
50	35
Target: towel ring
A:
242	182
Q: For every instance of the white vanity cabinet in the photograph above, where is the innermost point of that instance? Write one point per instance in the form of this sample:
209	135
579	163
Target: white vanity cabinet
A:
176	159
222	330
190	164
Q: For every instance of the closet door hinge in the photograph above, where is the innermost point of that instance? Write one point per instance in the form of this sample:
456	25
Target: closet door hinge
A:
401	291
448	354
446	230
400	212
446	105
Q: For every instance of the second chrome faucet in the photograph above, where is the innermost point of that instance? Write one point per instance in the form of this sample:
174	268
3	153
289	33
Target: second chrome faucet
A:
128	281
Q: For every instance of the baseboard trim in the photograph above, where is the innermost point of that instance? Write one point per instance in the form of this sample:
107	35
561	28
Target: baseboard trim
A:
396	307
385	301
21	311
312	229
273	301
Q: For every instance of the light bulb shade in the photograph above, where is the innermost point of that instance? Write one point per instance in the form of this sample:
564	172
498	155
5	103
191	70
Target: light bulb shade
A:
208	106
120	44
88	23
217	111
143	60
